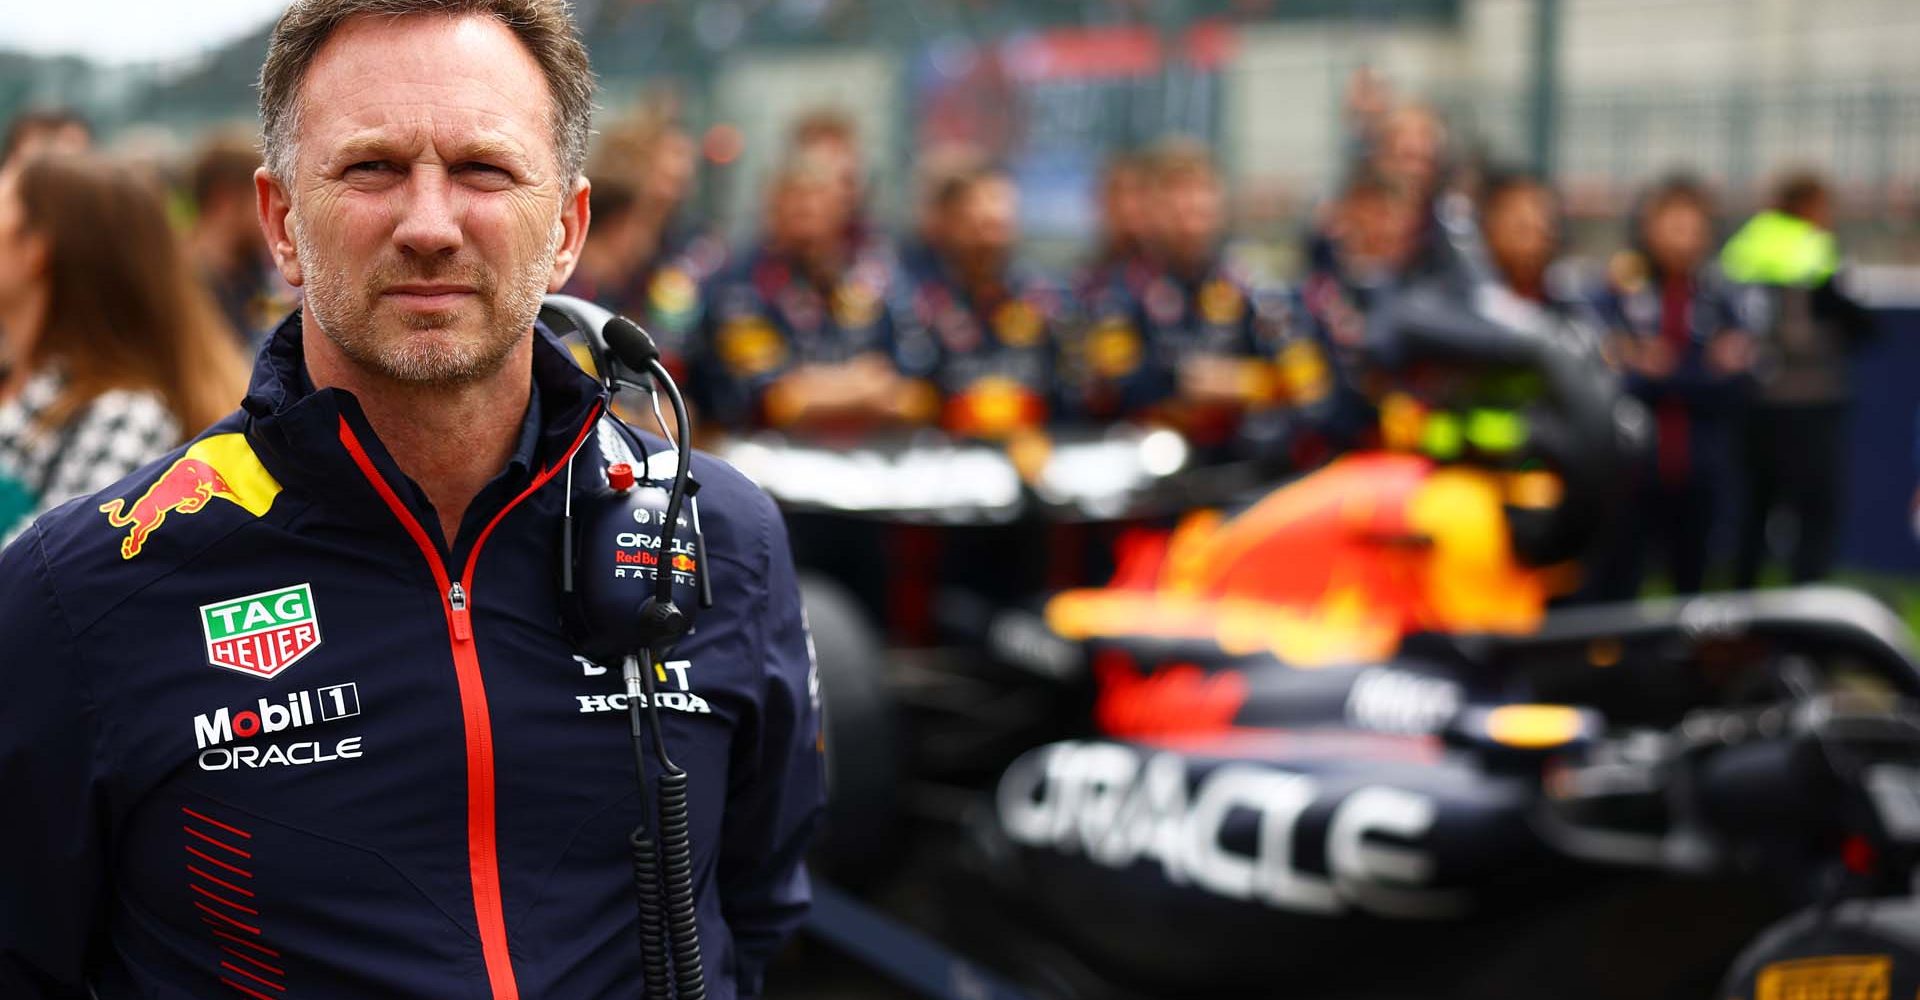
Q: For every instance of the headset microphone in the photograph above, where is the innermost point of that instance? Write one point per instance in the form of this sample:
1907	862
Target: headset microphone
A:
632	537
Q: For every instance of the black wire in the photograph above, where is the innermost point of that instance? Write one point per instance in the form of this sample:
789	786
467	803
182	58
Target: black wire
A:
646	863
676	856
663	582
675	876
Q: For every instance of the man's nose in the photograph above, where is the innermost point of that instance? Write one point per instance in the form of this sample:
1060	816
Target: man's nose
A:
429	216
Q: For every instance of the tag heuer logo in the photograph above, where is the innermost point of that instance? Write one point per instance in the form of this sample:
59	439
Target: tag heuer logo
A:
261	634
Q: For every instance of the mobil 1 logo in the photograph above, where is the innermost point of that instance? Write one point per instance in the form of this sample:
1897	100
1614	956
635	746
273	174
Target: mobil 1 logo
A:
230	738
261	634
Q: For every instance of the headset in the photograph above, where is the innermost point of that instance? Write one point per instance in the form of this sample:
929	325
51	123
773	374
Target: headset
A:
630	588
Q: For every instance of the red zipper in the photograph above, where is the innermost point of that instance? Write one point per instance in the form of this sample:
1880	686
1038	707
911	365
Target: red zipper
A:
483	854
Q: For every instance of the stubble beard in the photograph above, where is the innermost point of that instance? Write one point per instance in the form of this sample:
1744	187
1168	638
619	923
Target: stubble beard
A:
413	351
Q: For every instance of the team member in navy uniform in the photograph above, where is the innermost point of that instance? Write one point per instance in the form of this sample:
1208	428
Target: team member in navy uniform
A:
642	260
795	335
1681	334
1123	258
1199	347
982	333
302	720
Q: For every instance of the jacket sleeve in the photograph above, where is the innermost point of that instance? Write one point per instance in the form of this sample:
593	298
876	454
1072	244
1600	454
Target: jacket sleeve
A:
51	768
776	794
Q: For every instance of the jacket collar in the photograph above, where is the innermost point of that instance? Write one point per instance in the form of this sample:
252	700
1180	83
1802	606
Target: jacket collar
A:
295	428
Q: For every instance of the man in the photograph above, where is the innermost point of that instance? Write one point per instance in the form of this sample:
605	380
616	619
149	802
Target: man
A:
293	712
1122	257
795	335
981	333
226	240
1355	258
642	260
1678	331
1795	447
830	138
1198	348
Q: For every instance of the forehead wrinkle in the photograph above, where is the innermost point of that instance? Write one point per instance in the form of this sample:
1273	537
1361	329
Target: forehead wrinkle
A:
369	84
412	141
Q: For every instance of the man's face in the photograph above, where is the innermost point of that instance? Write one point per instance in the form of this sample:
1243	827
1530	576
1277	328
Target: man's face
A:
427	209
841	160
1677	233
986	223
1410	148
804	214
1192	214
1376	228
1521	234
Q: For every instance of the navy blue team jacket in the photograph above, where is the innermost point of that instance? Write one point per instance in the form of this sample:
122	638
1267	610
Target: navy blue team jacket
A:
265	733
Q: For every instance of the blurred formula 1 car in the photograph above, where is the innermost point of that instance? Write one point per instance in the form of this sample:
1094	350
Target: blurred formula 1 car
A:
1336	743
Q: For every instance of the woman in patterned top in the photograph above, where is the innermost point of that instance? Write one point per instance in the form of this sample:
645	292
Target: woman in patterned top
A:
111	352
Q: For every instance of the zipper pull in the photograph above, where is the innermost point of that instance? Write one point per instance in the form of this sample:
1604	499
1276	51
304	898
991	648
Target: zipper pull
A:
457	602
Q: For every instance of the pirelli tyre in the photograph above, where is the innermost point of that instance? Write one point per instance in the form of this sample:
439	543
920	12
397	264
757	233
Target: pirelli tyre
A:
860	840
1857	948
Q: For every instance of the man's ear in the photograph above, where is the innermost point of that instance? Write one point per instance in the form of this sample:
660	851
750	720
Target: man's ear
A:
274	203
574	218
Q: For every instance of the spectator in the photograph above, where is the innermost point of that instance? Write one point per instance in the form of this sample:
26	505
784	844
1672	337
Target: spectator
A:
1357	254
642	258
829	137
1355	257
981	331
1197	347
1520	224
1122	253
225	239
921	253
51	130
615	245
1796	431
794	334
1678	333
95	384
1411	148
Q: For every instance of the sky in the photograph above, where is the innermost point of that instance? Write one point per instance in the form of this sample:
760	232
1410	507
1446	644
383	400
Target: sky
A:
121	31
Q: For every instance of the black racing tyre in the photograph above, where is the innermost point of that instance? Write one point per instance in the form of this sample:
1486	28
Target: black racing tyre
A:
860	840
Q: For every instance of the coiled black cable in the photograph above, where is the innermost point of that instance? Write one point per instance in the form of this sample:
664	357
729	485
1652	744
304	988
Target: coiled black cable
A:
664	881
676	856
646	860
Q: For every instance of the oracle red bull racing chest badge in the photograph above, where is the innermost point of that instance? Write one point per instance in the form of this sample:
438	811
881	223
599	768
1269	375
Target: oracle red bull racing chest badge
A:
261	634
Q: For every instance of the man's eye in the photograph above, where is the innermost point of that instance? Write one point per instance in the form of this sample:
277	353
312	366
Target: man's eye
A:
370	167
484	171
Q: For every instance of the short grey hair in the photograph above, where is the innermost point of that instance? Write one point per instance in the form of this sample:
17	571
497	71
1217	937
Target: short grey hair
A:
545	27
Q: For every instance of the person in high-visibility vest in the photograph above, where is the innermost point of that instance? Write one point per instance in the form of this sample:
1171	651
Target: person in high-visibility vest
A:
1795	431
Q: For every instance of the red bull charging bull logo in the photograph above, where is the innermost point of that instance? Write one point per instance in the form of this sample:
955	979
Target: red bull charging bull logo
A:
219	466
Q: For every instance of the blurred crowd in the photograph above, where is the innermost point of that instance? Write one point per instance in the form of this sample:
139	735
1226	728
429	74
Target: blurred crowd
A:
129	296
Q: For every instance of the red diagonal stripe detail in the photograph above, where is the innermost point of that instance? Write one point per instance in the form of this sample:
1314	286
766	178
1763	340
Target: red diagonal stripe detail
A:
223	883
217	843
217	932
236	831
276	970
243	989
249	928
268	983
216	897
210	859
